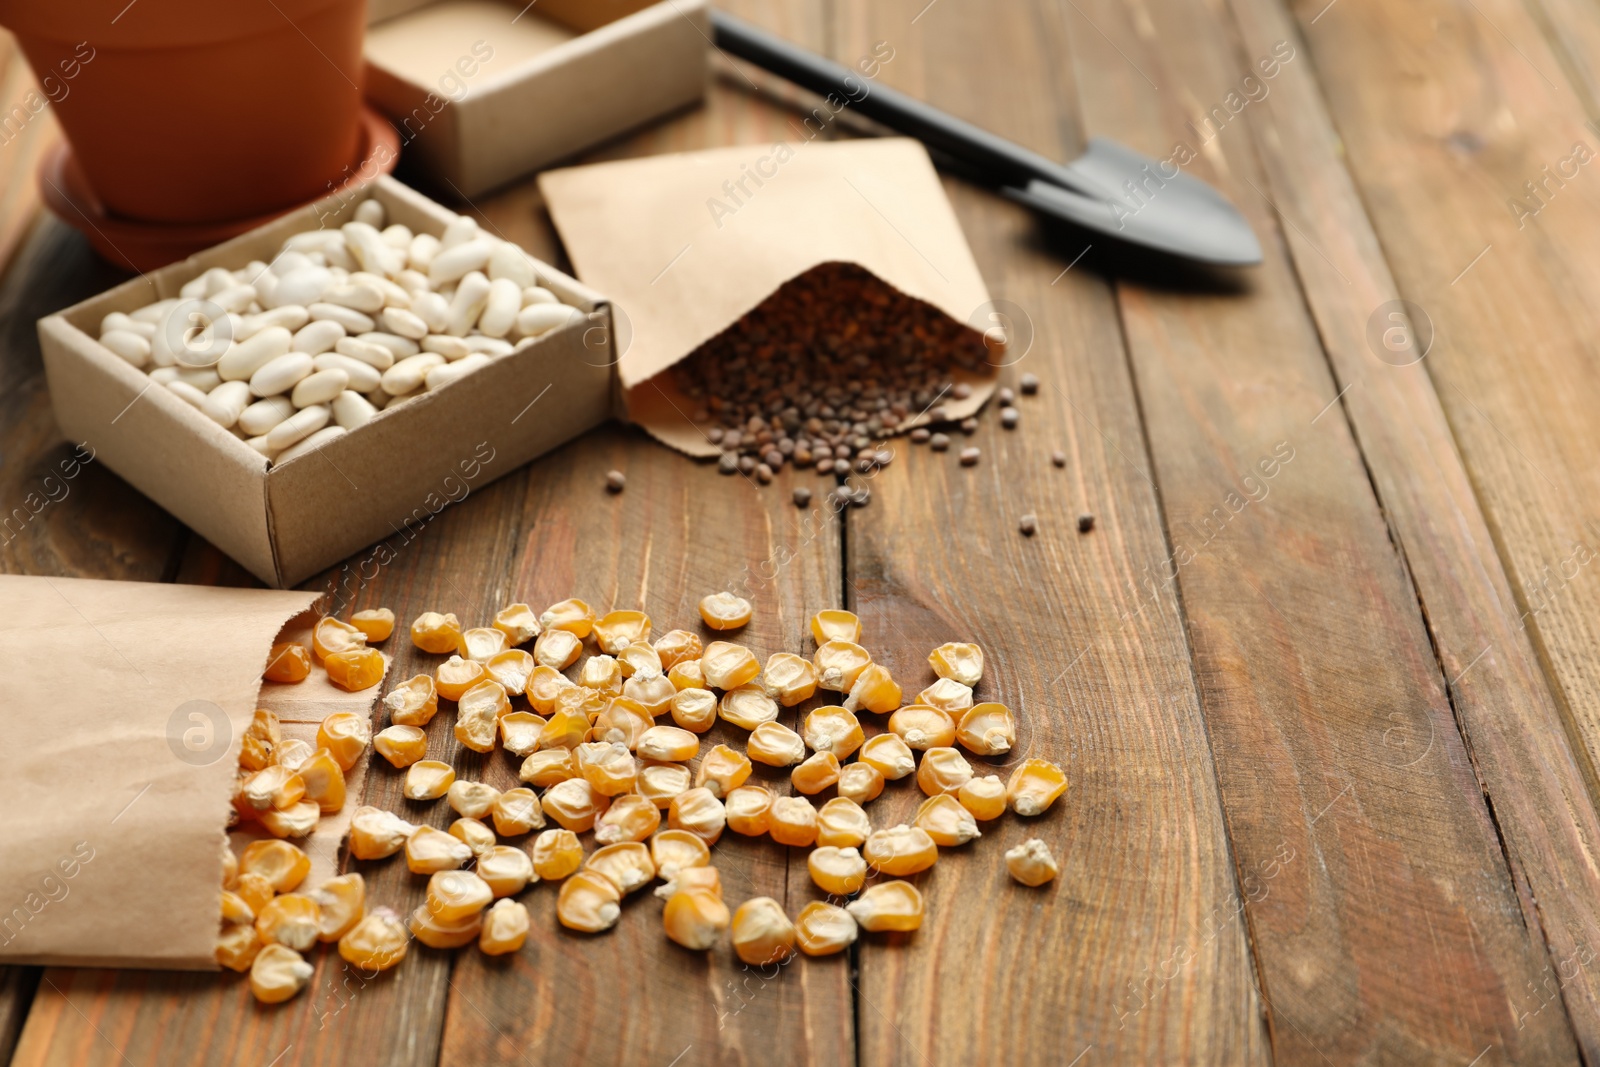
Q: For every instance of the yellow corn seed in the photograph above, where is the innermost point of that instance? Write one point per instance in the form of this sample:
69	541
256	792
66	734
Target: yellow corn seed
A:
775	745
455	676
957	661
835	625
1034	786
330	635
376	834
792	821
874	690
287	663
747	808
230	868
602	673
687	674
660	782
581	700
435	934
428	779
557	649
547	767
556	854
987	729
518	623
607	766
627	864
345	734
272	787
511	668
670	744
324	781
948	695
726	665
401	745
789	679
341	902
478	715
722	770
984	797
748	706
574	804
694	709
922	727
505	928
624	722
692	880
289	919
761	932
261	740
476	834
277	973
843	823
673	851
822	929
377	942
616	630
293	753
892	905
456	895
839	871
506	870
283	865
900	850
297	821
235	910
890	755
376	623
839	664
833	729
589	902
482	643
564	729
238	945
944	819
1031	863
472	799
430	850
724	611
860	782
255	889
640	658
652	692
630	818
815	774
695	918
436	633
519	732
544	685
700	812
413	702
516	812
943	770
675	646
573	616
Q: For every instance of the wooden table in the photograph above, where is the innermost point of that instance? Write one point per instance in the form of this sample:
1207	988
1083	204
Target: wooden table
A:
1332	729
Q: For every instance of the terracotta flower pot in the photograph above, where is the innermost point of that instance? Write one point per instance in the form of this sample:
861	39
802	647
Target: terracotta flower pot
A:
196	111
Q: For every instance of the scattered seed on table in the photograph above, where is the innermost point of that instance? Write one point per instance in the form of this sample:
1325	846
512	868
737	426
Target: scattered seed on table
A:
920	435
885	457
1059	458
728	464
961	390
1009	417
939	414
615	480
969	456
841	466
1029	384
802	497
747	464
969	426
1006	397
763	474
861	497
1085	523
1028	525
714	435
939	442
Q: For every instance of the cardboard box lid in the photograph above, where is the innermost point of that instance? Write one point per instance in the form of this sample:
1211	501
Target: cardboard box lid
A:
684	245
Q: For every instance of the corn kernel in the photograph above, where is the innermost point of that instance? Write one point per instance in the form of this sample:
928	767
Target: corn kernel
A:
573	616
722	771
235	910
700	812
401	745
900	850
455	676
842	823
1034	786
476	834
987	729
944	819
574	804
607	766
413	702
761	932
640	658
293	753
792	821
376	834
748	706
289	919
436	633
544	685
789	679
287	663
630	818
478	715
261	740
230	868
506	870
890	755
892	905
556	854
728	666
511	668
256	889
815	774
435	934
1031	863
345	734
505	928
860	782
627	864
557	649
518	623
652	692
694	709
547	767
341	901
376	623
839	664
687	674
297	821
692	880
283	865
833	729
984	797
675	646
519	732
456	895
589	902
957	661
822	929
472	799
324	781
839	871
922	727
669	744
623	722
238	945
660	782
695	918
272	787
428	779
616	630
564	729
943	770
948	695
330	635
603	673
429	850
673	851
377	942
747	808
775	745
874	690
516	812
835	625
278	973
724	611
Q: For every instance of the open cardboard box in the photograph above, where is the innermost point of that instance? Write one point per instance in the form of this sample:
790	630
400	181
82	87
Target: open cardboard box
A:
484	91
288	521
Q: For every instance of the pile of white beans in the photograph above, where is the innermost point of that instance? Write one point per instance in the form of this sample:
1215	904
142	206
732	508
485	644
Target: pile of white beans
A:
342	324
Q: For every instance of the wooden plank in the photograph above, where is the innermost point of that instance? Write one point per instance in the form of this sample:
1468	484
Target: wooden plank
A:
1305	628
1138	952
1512	725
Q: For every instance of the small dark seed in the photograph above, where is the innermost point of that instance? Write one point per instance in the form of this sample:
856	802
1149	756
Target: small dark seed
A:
1006	397
961	390
841	466
728	464
920	435
1028	525
939	414
1029	384
714	435
763	474
969	456
615	480
1059	458
747	464
802	497
939	442
1085	523
861	497
969	426
1009	417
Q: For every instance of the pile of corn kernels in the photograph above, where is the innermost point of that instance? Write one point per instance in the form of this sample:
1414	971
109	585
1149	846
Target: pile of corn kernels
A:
342	324
593	747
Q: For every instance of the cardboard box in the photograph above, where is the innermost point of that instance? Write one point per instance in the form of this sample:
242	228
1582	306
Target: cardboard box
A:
286	522
485	91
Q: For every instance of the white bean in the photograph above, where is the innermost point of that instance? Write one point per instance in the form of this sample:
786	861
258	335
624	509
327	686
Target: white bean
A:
400	346
317	440
408	374
352	410
302	423
352	320
202	402
370	250
202	378
290	316
164	375
304	286
356	295
432	309
363	376
511	263
264	414
538	319
155	313
319	387
116	320
395	295
465	307
394	235
454	263
459	230
288	261
500	310
317	336
404	323
243	359
127	344
376	355
413	282
439	377
235	298
231	398
281	374
538	294
260	445
489	346
447	346
370	212
424	246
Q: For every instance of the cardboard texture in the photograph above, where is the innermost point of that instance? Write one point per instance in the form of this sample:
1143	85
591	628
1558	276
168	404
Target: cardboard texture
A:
294	519
124	715
684	245
485	91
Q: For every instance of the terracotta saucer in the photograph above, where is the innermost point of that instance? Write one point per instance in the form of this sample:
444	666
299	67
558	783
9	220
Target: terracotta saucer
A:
143	246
